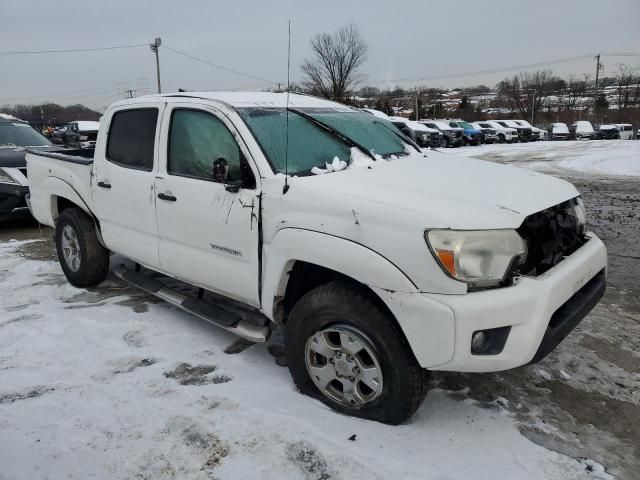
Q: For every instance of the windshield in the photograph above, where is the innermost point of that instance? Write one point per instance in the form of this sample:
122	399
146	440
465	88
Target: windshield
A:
466	126
311	145
20	135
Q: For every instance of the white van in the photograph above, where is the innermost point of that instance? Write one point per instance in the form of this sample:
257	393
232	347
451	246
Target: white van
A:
626	130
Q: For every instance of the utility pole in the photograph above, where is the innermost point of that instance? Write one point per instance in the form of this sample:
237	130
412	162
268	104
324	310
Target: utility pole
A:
533	105
599	67
154	48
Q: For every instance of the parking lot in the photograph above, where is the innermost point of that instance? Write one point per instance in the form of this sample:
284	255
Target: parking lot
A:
111	383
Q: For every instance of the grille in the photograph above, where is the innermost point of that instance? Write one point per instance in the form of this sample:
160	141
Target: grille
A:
551	235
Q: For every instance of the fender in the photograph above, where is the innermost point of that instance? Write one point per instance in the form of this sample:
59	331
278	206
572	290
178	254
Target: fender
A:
341	255
57	187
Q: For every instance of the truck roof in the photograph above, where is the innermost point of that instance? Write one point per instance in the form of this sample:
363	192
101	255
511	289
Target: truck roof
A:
244	99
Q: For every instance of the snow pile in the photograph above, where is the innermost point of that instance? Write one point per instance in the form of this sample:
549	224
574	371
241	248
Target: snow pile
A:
335	166
601	157
108	383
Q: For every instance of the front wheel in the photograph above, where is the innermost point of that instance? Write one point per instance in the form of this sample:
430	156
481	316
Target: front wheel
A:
343	348
83	259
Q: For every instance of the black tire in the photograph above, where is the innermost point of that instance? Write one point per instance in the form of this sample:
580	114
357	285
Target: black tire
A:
339	303
501	138
93	257
447	142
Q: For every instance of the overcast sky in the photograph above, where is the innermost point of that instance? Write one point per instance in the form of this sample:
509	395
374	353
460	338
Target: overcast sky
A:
408	39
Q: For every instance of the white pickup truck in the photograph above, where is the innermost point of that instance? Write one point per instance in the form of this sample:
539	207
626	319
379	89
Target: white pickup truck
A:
384	263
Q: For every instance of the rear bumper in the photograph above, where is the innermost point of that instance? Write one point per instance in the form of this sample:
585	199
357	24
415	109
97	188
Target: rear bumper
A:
538	311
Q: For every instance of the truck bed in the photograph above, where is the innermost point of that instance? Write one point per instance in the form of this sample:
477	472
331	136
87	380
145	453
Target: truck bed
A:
58	174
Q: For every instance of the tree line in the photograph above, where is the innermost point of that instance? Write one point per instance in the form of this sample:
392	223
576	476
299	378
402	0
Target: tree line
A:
334	71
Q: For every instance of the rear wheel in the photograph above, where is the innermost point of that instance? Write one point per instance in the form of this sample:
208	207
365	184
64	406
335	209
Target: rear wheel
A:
83	259
345	350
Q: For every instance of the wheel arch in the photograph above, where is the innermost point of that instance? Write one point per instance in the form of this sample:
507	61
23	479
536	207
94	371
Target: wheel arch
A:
298	260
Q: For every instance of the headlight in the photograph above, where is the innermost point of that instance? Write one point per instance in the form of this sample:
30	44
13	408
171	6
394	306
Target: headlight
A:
481	258
5	177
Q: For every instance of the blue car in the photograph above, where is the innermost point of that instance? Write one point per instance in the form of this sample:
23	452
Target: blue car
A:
472	136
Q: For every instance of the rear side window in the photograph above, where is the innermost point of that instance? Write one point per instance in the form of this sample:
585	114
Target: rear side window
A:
132	137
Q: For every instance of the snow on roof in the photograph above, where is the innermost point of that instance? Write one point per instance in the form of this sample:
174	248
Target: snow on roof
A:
246	99
584	126
376	113
6	116
608	126
441	125
85	125
412	124
559	128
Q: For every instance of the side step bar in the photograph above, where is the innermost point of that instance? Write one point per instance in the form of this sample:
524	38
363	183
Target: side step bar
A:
230	318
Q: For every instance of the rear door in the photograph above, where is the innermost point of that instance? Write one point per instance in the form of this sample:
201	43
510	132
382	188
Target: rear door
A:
208	203
124	183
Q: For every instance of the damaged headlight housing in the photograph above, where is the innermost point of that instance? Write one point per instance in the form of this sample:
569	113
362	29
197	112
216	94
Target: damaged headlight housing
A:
480	258
581	215
5	177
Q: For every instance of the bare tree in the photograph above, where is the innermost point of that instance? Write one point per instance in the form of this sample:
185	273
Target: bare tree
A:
332	71
525	92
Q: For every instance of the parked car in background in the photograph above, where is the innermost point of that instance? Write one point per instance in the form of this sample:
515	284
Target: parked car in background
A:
472	135
582	130
58	134
524	133
489	135
626	131
81	134
558	131
505	134
452	136
608	131
15	135
536	133
419	133
416	261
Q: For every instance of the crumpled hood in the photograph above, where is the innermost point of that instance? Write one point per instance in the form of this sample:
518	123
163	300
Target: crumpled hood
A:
441	190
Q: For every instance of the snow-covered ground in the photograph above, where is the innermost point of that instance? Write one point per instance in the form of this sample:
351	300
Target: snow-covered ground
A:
109	384
599	157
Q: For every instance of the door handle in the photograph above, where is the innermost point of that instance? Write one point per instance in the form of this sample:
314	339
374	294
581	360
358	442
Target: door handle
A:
168	198
104	185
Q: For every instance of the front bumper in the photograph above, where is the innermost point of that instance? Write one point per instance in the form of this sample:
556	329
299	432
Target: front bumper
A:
540	312
12	198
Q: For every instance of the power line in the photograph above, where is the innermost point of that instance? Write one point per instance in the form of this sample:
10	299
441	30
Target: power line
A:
221	67
71	50
506	69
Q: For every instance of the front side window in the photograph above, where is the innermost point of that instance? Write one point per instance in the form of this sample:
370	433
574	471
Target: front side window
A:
132	138
202	147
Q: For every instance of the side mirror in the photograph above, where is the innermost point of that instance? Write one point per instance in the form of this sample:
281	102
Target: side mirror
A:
233	187
409	133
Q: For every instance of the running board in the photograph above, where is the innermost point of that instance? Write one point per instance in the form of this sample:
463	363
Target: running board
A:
228	315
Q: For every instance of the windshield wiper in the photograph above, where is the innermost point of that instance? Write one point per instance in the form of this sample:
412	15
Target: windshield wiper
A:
402	136
337	133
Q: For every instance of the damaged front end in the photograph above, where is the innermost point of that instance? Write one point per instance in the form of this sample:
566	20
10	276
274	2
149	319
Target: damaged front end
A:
552	235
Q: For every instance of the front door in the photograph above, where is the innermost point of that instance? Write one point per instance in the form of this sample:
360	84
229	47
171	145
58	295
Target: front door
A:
207	203
124	184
